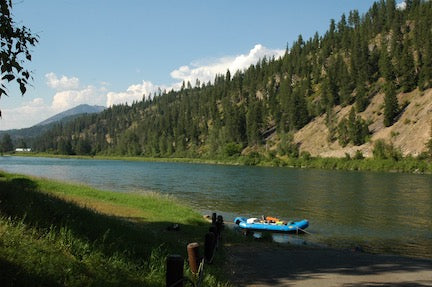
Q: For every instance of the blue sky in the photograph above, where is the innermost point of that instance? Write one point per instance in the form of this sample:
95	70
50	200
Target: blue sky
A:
108	52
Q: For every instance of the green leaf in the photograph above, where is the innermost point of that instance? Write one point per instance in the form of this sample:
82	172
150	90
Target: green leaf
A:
8	77
23	89
26	74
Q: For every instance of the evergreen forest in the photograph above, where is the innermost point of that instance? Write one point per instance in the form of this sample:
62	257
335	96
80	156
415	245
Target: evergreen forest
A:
256	111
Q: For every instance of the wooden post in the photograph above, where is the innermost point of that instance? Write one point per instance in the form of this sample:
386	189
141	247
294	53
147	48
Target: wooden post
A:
209	246
174	271
220	219
213	229
193	256
214	218
218	228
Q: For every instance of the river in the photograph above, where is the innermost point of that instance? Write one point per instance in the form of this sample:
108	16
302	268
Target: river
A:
387	213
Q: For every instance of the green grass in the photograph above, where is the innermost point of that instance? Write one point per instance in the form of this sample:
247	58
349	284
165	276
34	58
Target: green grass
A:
56	234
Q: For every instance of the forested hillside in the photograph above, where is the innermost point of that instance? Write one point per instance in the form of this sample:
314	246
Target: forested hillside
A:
335	91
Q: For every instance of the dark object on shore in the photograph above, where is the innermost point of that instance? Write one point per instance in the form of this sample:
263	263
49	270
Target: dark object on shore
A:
214	218
173	227
174	273
209	246
358	248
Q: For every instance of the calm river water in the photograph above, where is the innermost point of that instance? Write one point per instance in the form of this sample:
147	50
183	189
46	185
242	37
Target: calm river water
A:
382	212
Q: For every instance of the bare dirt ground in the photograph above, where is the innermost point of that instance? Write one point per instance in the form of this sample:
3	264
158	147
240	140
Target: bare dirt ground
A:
308	266
410	133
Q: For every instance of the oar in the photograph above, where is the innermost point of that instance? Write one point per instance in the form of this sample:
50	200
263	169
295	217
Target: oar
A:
302	230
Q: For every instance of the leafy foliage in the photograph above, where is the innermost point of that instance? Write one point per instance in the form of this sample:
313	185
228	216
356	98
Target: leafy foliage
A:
15	47
6	144
383	150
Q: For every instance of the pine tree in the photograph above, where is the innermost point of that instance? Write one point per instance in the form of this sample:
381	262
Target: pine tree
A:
343	135
385	65
352	129
429	143
6	144
252	122
408	73
425	76
391	106
361	99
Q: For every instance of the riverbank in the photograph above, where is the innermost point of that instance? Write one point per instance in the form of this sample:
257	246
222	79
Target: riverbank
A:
54	234
59	234
403	165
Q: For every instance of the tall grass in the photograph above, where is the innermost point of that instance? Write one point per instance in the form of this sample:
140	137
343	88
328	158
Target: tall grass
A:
55	234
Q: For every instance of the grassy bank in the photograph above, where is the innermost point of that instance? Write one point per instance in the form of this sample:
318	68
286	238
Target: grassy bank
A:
56	234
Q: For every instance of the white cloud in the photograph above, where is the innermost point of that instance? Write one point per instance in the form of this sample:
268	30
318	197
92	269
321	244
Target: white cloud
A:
133	93
25	116
71	98
69	93
63	83
207	72
401	6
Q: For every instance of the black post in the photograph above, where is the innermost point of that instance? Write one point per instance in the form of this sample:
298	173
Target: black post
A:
219	226
209	246
220	219
174	271
213	229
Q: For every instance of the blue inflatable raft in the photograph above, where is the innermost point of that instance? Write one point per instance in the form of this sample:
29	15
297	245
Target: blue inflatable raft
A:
275	226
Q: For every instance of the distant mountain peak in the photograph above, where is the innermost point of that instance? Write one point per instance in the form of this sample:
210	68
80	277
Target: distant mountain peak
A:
78	110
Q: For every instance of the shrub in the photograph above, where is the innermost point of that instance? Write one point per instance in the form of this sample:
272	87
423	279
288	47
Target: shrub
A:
382	150
358	155
232	149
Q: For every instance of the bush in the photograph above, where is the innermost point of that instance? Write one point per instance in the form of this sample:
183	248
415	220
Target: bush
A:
382	150
232	149
358	155
253	158
287	146
306	155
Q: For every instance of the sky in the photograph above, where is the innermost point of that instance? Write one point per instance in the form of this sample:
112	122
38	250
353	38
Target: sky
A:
105	52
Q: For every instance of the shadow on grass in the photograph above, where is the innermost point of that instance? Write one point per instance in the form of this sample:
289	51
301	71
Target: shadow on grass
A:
21	201
14	275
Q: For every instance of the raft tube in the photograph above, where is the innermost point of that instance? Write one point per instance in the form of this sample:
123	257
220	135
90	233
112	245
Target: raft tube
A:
289	227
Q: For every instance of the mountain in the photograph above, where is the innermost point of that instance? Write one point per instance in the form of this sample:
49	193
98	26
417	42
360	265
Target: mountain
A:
78	110
366	83
42	127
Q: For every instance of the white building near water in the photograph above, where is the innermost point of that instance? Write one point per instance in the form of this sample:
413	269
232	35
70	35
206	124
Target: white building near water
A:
20	149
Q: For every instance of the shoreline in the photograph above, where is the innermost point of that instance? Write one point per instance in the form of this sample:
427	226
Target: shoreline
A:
405	165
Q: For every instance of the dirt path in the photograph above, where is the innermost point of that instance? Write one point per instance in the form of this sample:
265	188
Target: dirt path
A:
304	266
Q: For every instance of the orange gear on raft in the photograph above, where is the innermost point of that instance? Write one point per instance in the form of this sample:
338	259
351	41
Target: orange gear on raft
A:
272	219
